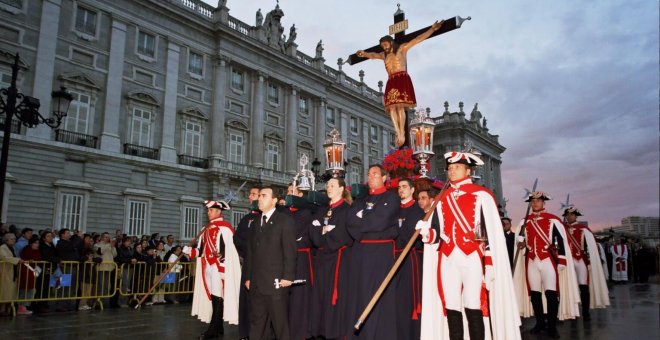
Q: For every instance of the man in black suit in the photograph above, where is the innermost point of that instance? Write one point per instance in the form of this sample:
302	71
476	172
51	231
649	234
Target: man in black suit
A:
509	236
271	254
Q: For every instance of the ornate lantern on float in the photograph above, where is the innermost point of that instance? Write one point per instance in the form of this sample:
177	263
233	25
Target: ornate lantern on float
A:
304	179
421	139
334	153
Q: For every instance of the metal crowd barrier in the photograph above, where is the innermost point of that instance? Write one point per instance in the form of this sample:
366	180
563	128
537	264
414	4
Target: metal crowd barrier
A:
136	279
89	282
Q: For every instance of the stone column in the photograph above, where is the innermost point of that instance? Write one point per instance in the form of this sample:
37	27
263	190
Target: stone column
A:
320	133
110	140
218	140
366	155
167	148
44	68
257	121
291	145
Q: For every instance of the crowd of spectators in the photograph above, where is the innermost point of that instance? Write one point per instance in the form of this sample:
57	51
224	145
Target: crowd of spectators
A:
70	268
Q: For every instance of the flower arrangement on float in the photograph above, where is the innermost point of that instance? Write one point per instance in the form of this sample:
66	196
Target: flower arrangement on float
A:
400	163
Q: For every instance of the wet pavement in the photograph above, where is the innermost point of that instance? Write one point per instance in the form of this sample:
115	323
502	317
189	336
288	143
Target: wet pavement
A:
634	314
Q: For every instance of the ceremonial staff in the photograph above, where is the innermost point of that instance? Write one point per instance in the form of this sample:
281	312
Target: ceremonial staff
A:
397	264
522	229
166	271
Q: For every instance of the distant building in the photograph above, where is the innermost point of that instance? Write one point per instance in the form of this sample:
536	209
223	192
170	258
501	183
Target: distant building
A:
644	226
454	131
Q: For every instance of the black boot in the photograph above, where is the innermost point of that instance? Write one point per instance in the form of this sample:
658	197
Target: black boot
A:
585	298
215	327
552	301
475	320
455	323
537	306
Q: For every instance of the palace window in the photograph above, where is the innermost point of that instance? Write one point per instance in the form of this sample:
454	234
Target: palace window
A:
140	133
237	80
70	214
273	156
146	44
78	117
354	125
137	213
330	116
236	147
192	141
195	63
273	94
191	221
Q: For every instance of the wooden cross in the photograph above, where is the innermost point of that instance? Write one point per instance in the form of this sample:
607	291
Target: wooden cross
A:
400	36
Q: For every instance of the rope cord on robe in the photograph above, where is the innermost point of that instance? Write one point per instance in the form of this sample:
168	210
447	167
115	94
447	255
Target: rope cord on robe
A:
169	268
397	264
522	229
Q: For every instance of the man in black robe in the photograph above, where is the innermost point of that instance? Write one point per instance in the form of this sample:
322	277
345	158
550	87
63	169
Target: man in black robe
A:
373	224
408	279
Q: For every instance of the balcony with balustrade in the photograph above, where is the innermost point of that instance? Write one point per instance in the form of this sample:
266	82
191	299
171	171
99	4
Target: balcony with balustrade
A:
76	138
141	151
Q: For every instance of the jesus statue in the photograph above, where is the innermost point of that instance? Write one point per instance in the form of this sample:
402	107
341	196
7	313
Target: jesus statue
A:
399	91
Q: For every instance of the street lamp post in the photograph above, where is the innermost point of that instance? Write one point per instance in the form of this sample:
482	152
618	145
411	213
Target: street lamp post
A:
26	110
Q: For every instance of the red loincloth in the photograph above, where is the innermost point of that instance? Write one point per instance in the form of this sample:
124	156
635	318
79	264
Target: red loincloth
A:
399	91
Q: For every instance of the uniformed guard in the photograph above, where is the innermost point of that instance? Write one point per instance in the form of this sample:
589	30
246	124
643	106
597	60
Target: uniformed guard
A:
589	274
474	276
218	272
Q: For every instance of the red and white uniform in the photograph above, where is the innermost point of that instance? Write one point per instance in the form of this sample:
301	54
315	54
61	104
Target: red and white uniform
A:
541	264
619	262
460	266
576	241
463	260
540	271
219	276
588	272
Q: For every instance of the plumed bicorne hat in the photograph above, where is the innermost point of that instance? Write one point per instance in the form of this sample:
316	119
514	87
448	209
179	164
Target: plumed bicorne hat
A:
462	158
222	205
572	210
538	194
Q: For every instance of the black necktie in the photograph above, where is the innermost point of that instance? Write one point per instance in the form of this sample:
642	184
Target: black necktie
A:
264	219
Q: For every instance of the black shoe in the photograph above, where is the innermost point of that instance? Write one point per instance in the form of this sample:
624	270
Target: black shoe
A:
205	336
552	332
537	329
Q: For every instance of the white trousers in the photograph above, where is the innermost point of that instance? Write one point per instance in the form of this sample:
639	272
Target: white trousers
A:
541	275
581	271
461	277
213	280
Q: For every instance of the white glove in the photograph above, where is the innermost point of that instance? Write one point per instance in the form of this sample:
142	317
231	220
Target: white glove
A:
316	223
187	250
424	228
489	277
561	267
521	238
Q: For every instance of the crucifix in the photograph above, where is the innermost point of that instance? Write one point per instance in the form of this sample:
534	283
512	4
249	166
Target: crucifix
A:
399	91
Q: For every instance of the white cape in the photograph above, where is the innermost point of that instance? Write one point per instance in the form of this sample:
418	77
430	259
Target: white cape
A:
569	292
504	316
201	306
598	291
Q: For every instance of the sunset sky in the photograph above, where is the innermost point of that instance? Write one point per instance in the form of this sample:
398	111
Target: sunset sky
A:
571	87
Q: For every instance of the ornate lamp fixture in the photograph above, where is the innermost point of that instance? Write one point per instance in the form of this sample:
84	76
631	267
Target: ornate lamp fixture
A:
334	153
304	179
421	139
